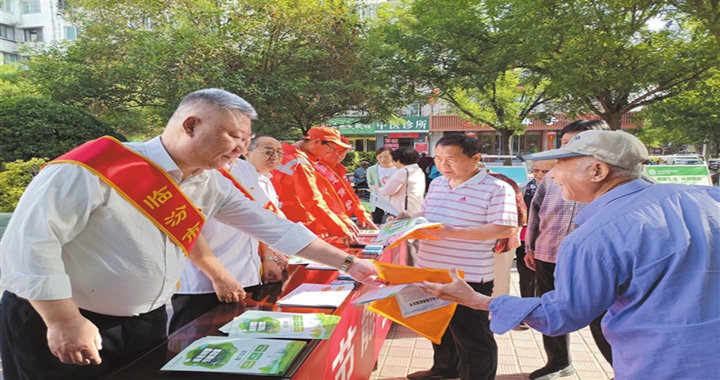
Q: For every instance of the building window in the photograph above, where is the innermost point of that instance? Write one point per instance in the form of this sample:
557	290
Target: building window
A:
7	32
71	33
30	7
32	35
5	6
8	58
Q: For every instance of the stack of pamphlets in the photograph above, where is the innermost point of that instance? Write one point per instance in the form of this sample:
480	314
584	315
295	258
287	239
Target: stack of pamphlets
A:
373	249
317	295
270	357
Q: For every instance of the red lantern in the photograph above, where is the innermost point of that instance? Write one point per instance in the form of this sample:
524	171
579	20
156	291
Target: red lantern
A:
551	139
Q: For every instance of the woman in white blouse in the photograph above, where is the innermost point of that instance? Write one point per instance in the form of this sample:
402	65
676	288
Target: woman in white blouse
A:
406	188
378	175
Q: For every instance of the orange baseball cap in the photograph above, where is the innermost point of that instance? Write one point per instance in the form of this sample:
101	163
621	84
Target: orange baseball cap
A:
328	134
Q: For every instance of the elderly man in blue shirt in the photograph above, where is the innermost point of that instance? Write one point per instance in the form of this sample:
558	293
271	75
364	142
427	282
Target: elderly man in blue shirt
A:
648	253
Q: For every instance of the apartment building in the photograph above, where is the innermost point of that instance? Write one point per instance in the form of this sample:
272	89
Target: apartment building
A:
27	24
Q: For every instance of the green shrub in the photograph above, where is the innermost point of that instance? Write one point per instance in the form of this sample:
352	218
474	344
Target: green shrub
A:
14	180
353	159
34	127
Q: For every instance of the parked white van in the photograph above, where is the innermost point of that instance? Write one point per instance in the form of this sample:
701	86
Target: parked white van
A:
684	159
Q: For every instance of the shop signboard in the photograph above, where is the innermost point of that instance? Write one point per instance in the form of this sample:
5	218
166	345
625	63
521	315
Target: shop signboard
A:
349	126
686	174
411	124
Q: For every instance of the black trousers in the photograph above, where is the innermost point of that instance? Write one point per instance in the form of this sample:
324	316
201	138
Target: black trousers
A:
25	351
557	348
188	307
599	338
468	346
527	275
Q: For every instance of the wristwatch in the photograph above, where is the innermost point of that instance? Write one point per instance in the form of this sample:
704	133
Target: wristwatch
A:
346	264
271	258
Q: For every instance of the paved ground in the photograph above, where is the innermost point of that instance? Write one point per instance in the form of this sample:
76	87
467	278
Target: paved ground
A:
520	352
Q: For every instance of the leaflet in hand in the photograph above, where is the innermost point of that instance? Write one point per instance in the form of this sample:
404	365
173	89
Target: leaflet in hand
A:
411	299
236	355
273	324
317	295
377	200
398	230
309	264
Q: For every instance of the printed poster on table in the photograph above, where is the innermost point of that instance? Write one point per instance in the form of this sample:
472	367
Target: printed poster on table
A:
234	355
273	324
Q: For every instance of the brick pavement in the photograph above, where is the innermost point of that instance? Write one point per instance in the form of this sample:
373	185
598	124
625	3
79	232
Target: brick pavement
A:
519	353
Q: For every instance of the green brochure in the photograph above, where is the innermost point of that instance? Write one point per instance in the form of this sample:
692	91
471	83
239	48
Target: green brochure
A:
235	355
272	324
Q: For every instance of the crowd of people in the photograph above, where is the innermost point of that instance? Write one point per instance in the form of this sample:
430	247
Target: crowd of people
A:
92	254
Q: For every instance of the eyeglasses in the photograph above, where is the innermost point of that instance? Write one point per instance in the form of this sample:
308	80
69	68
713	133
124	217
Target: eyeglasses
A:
270	152
332	146
540	171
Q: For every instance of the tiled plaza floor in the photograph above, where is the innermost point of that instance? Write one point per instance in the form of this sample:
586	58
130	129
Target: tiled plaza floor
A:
519	353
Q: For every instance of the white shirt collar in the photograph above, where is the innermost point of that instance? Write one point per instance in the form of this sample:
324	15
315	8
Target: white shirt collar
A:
156	152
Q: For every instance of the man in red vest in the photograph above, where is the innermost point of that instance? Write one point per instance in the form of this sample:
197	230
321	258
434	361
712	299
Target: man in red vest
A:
98	241
342	199
301	189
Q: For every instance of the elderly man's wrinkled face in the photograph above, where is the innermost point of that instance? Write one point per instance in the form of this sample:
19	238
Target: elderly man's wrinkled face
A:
574	175
217	137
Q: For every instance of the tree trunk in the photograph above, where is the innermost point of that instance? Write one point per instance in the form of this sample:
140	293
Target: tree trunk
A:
505	141
614	120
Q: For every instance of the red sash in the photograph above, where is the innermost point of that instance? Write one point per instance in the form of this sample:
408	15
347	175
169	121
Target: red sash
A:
142	183
343	190
226	173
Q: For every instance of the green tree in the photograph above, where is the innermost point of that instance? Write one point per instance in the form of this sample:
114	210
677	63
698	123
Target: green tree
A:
602	56
688	118
456	56
15	178
298	62
705	11
14	82
35	127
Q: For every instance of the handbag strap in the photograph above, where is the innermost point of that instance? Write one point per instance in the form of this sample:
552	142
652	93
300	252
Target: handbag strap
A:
407	184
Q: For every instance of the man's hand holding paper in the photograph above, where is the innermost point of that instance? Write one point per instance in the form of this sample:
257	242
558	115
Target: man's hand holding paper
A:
364	270
457	291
